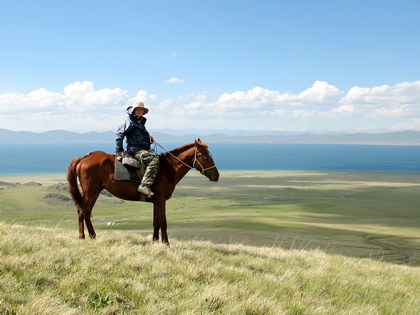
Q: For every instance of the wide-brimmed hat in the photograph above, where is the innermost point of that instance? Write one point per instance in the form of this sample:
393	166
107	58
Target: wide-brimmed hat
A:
139	104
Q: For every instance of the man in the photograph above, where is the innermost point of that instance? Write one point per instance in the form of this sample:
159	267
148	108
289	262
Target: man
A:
138	144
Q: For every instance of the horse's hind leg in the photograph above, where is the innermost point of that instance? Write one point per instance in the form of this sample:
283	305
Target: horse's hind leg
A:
89	225
91	197
84	214
81	217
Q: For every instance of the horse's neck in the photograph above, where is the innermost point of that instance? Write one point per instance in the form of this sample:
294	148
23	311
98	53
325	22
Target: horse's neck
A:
184	154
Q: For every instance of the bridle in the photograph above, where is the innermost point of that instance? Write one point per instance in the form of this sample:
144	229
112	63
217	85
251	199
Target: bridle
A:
202	168
195	160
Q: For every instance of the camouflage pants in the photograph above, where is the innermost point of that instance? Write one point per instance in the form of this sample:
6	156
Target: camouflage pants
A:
151	161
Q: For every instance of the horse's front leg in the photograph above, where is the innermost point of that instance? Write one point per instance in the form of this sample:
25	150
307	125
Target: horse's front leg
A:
160	214
155	224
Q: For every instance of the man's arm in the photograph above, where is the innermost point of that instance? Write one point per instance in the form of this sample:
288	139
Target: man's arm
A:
120	136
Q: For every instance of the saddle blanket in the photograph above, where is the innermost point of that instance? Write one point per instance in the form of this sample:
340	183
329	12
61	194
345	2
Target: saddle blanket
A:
127	173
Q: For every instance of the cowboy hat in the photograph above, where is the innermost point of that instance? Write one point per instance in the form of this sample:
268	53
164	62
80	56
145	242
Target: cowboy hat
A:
139	104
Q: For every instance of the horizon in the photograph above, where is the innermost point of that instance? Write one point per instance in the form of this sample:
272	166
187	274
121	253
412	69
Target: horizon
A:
242	65
235	132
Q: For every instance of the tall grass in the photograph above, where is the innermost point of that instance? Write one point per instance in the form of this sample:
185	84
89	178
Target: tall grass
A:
49	271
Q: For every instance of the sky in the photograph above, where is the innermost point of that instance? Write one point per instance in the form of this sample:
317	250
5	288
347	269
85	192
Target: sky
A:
306	66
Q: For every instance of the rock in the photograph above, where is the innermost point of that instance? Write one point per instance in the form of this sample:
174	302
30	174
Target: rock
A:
7	184
33	184
59	187
106	193
56	196
113	201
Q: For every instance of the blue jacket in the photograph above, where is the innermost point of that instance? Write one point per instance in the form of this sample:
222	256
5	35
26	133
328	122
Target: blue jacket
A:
135	132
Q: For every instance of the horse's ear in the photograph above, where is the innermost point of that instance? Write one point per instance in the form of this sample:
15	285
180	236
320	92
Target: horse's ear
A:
198	143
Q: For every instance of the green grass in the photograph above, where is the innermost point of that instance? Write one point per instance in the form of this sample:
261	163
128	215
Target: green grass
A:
49	271
372	215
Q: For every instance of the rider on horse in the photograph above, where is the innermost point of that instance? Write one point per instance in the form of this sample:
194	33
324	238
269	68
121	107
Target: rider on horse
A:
138	144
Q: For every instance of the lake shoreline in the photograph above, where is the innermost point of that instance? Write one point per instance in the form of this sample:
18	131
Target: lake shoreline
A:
53	178
44	179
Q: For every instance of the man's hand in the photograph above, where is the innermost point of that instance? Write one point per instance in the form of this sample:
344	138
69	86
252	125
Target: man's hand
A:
120	153
152	140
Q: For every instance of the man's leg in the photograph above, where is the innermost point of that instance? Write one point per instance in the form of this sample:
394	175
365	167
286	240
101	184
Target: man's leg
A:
152	162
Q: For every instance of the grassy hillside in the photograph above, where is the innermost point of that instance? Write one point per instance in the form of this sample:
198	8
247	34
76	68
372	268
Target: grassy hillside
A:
49	271
374	215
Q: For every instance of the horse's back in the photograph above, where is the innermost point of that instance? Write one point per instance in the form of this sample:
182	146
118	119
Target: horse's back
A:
99	157
99	161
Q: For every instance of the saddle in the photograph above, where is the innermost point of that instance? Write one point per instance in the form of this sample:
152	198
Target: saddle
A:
130	161
128	168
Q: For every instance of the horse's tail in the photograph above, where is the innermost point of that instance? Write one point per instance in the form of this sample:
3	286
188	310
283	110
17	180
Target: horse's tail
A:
72	180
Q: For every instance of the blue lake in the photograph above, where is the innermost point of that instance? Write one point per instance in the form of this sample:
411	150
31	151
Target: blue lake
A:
54	158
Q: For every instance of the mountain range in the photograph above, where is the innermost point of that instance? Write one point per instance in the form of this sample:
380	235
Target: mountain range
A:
173	136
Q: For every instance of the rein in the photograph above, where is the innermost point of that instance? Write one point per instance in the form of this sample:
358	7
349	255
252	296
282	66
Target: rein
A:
182	162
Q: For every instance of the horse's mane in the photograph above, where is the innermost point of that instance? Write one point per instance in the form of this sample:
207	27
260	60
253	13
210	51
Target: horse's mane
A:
179	150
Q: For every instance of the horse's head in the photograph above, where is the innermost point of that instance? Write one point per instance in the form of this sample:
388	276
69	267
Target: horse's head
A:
204	163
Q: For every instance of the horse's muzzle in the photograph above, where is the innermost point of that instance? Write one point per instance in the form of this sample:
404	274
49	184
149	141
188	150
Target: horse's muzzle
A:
213	176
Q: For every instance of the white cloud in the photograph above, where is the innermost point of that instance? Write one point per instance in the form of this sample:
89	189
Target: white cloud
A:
33	101
299	113
165	104
320	93
76	96
344	109
80	106
401	93
392	111
402	99
145	97
413	124
174	80
261	100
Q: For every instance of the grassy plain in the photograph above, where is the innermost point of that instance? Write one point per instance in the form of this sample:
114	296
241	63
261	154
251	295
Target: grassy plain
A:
373	215
49	271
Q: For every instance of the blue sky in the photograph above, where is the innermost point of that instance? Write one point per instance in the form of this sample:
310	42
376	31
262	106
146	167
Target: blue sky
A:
251	65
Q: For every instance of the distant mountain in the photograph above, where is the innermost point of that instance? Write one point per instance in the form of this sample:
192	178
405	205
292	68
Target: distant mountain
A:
61	136
54	136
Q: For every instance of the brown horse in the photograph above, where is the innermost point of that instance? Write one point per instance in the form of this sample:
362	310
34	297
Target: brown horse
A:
96	172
